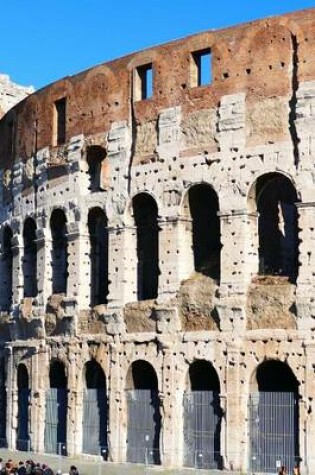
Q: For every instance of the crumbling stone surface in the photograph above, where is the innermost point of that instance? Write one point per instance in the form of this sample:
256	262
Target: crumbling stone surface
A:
271	304
149	240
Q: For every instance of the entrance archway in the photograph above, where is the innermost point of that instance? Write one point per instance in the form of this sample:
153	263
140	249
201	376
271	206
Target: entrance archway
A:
94	411
144	419
273	418
202	417
56	410
23	438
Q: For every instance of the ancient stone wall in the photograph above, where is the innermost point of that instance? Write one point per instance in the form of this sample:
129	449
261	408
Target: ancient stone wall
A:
164	232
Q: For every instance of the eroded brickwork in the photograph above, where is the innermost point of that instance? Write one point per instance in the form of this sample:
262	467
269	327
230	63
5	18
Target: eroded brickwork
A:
168	239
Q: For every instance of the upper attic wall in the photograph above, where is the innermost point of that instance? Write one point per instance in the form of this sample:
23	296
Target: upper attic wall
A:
11	93
257	58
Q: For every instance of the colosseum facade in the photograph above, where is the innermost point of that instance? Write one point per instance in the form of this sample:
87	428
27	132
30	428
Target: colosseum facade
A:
157	220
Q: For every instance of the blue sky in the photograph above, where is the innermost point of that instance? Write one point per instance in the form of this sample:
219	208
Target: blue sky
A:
44	40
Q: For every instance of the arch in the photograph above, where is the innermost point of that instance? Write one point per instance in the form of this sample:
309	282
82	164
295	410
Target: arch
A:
145	212
201	205
273	417
95	411
7	263
59	259
273	196
56	409
202	417
144	419
98	232
95	157
23	438
30	258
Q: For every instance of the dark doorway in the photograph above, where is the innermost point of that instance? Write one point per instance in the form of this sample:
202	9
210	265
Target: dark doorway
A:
277	226
56	410
23	438
202	417
94	156
98	231
95	411
144	419
146	214
30	258
59	258
274	418
204	207
3	403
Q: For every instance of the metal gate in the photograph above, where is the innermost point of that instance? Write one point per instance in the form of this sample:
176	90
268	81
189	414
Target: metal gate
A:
56	421
23	432
273	431
144	424
202	426
94	422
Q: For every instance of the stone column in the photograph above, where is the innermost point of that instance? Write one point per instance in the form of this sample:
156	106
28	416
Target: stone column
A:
307	413
305	280
17	274
72	400
11	399
122	265
239	253
81	261
40	379
44	271
176	260
235	417
116	424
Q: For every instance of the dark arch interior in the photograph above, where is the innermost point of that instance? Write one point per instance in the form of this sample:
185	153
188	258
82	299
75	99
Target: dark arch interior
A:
94	376
203	377
22	377
275	376
204	207
98	231
57	375
7	265
30	258
145	214
141	375
59	251
277	226
95	155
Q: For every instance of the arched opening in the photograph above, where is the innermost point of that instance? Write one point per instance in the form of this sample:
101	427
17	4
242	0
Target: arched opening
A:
3	403
273	418
30	259
94	411
7	263
275	198
98	231
145	212
202	417
144	419
94	157
59	256
56	410
23	438
203	208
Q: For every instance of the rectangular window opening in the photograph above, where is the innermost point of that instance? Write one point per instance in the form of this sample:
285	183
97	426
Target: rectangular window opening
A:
143	82
202	68
60	121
